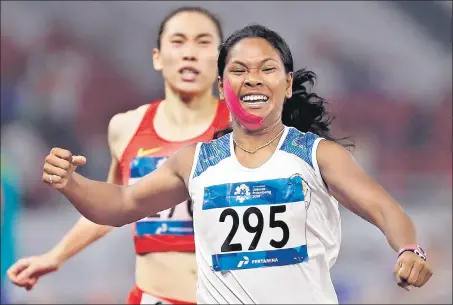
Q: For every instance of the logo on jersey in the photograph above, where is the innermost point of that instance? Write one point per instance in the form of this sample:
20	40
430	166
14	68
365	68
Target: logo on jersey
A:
242	193
162	229
145	152
243	262
262	261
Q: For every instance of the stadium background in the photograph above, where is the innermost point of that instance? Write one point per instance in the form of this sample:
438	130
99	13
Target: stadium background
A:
386	67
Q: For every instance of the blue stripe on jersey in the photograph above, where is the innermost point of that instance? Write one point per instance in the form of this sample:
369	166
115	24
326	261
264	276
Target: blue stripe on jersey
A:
259	259
212	153
181	228
275	191
299	144
141	166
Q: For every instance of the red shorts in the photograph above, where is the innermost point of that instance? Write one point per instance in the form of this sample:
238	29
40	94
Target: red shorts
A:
138	296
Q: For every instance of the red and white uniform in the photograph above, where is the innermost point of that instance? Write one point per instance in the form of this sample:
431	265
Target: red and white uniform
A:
172	229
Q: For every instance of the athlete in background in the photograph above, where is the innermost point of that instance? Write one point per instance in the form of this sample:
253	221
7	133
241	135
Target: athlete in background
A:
140	140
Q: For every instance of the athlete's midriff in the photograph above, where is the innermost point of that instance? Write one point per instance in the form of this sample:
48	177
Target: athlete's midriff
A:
164	242
168	274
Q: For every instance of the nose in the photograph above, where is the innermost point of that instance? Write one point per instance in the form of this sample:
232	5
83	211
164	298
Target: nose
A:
189	58
190	54
252	81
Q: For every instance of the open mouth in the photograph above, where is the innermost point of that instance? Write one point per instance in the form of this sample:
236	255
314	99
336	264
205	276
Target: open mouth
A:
189	73
255	99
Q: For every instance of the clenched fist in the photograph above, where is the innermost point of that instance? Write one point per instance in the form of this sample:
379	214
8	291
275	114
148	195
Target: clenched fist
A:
411	270
59	166
27	271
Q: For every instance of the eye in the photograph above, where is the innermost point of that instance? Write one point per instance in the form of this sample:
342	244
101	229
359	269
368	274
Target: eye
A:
238	71
177	41
205	42
269	69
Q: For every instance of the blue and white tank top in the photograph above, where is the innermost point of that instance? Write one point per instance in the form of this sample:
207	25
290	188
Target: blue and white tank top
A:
263	235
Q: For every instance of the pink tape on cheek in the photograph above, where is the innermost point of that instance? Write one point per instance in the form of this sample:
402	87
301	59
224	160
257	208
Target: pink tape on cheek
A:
248	120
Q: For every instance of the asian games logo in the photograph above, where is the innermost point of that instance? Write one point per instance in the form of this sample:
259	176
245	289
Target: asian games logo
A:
242	193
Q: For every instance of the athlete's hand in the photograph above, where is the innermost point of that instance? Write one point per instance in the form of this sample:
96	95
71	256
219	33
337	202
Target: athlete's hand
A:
411	270
59	166
27	271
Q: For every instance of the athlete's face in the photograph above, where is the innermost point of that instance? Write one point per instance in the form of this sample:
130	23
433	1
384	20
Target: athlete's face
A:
188	53
257	75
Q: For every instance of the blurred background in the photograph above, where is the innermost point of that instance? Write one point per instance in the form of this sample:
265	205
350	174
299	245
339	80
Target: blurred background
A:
68	67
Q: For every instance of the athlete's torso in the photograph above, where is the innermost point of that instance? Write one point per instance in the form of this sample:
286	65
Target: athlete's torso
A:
169	230
264	235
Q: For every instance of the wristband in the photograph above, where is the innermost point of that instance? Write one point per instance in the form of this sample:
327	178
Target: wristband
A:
418	250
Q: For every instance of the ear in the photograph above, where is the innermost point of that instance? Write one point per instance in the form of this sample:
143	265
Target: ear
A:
289	85
220	87
157	63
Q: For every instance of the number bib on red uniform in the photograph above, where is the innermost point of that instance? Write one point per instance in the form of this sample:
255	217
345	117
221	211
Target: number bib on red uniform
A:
263	221
172	227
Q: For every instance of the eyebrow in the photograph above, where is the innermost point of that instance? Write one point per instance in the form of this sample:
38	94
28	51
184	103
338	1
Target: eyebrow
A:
202	35
243	64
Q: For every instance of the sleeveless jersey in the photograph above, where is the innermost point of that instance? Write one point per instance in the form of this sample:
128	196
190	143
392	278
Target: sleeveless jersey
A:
172	229
263	235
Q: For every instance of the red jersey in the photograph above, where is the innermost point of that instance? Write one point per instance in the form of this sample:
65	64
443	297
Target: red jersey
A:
172	229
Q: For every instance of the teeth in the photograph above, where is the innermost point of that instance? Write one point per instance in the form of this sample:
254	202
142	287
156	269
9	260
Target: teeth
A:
188	72
258	98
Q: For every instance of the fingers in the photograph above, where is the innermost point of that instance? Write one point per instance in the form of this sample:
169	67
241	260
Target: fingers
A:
402	271
31	283
426	276
15	272
405	285
59	162
55	180
61	153
58	154
421	277
28	274
53	170
405	270
415	272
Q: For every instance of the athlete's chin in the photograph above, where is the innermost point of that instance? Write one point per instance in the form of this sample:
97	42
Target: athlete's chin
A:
190	88
256	109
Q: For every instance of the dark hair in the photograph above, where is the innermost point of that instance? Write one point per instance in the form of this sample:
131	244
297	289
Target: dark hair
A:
305	111
189	9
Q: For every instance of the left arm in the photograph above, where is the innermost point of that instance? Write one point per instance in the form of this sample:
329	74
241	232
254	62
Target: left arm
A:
359	193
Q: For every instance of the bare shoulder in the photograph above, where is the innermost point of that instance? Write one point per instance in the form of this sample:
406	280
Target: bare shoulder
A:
122	127
329	153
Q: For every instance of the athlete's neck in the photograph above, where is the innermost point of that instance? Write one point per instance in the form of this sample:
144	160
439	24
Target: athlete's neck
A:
183	110
252	139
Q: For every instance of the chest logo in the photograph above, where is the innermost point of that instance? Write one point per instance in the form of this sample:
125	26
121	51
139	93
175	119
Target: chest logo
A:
144	152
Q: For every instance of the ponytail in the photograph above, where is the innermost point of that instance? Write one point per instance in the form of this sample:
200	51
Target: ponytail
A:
307	111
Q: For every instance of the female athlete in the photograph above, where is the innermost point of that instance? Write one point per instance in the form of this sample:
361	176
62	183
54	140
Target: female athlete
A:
140	141
265	196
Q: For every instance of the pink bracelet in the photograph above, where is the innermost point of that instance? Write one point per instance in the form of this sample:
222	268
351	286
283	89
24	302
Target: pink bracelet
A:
418	250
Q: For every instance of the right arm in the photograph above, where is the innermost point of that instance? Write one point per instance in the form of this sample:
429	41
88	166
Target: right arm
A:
162	189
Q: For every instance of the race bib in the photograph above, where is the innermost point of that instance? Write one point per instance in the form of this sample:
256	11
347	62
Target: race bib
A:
264	223
174	221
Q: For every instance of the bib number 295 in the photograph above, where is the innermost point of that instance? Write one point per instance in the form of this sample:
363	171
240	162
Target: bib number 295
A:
227	246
